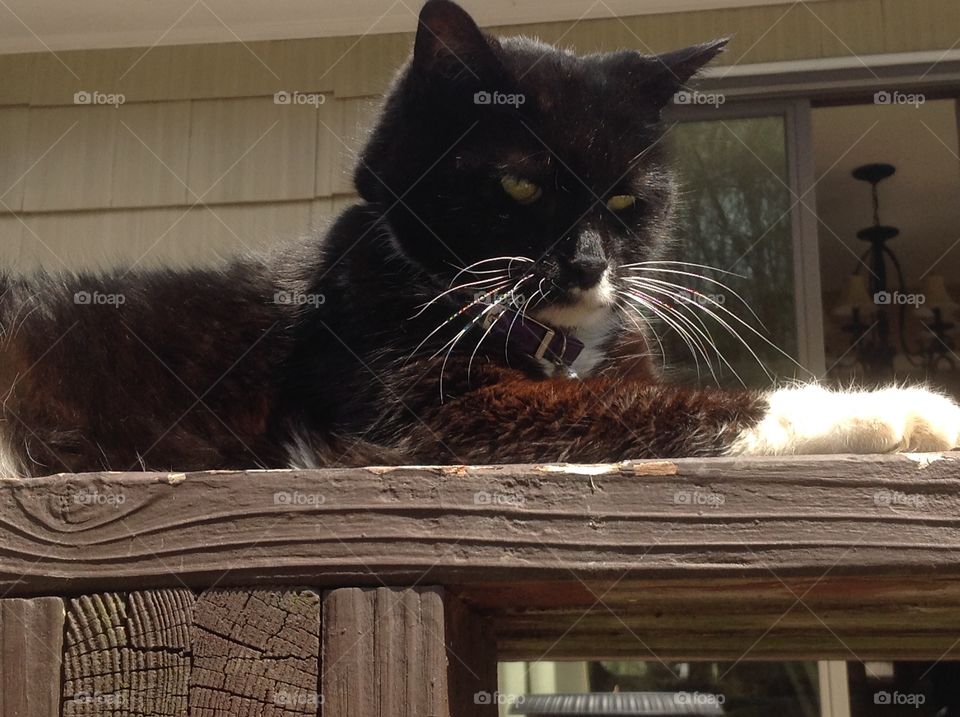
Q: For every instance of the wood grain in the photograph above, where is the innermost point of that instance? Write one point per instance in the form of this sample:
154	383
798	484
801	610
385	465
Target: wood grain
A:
721	517
151	157
342	133
354	66
472	660
94	241
31	641
77	145
813	556
401	652
256	652
13	157
251	149
756	619
128	654
199	107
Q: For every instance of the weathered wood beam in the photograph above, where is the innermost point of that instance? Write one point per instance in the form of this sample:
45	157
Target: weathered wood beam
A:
889	515
845	618
841	557
31	644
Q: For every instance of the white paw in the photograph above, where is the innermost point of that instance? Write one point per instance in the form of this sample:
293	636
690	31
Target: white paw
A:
812	419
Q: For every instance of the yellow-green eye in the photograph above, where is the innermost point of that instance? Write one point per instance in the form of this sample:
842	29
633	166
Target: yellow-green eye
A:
619	202
522	190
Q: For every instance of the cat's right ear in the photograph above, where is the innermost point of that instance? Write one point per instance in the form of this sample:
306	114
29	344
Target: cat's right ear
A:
672	70
450	44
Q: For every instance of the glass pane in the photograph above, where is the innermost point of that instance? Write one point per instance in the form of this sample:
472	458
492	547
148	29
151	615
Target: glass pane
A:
894	689
734	215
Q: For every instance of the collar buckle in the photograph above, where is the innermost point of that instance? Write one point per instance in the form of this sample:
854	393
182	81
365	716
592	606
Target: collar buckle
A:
545	342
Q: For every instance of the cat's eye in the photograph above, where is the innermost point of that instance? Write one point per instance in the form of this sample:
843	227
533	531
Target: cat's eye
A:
521	190
619	202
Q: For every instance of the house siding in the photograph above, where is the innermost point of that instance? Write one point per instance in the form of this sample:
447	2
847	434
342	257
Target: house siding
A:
199	162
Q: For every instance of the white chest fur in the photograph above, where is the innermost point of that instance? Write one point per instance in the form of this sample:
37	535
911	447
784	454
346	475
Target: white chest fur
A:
591	320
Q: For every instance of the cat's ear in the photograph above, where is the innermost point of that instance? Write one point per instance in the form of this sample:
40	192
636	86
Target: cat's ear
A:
449	43
670	71
681	65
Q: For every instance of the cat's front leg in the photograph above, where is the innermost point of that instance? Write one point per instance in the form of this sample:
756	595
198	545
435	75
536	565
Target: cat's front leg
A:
812	419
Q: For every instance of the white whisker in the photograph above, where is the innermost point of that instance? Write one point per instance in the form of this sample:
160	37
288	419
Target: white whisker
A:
688	319
712	281
479	300
453	342
490	328
683	326
661	262
461	287
651	284
633	314
510	259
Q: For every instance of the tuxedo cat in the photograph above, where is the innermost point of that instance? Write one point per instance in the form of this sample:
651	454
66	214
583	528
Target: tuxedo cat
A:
476	306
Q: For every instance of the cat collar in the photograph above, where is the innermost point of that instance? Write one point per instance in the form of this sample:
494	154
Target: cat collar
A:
524	335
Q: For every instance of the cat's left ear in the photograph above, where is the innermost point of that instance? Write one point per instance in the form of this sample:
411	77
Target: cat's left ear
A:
670	71
450	44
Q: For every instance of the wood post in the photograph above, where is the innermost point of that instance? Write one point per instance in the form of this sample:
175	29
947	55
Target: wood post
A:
406	653
162	653
255	652
31	643
724	559
127	653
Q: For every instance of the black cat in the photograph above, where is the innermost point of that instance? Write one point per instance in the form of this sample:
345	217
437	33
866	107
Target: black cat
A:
476	306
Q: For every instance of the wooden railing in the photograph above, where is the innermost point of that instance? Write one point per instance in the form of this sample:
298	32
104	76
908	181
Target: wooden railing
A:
395	590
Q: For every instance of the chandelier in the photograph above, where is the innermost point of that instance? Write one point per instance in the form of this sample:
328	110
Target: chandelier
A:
878	314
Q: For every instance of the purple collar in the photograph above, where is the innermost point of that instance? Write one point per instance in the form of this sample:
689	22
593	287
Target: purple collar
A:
526	336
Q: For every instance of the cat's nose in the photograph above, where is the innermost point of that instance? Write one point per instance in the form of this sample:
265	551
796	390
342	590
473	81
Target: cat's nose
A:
586	270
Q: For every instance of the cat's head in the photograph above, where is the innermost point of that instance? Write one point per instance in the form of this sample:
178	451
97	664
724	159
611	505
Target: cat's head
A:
490	149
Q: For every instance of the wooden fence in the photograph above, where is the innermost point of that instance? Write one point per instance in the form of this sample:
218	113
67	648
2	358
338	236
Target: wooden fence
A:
395	590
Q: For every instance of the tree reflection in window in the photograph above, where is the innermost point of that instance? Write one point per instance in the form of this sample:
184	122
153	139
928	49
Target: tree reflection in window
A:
734	214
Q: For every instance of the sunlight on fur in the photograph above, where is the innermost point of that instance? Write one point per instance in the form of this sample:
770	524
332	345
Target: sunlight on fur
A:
813	419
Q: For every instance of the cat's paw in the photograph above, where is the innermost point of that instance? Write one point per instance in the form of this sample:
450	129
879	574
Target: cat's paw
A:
812	419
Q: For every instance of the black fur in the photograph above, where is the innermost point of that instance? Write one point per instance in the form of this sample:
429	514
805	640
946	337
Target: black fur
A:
314	347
